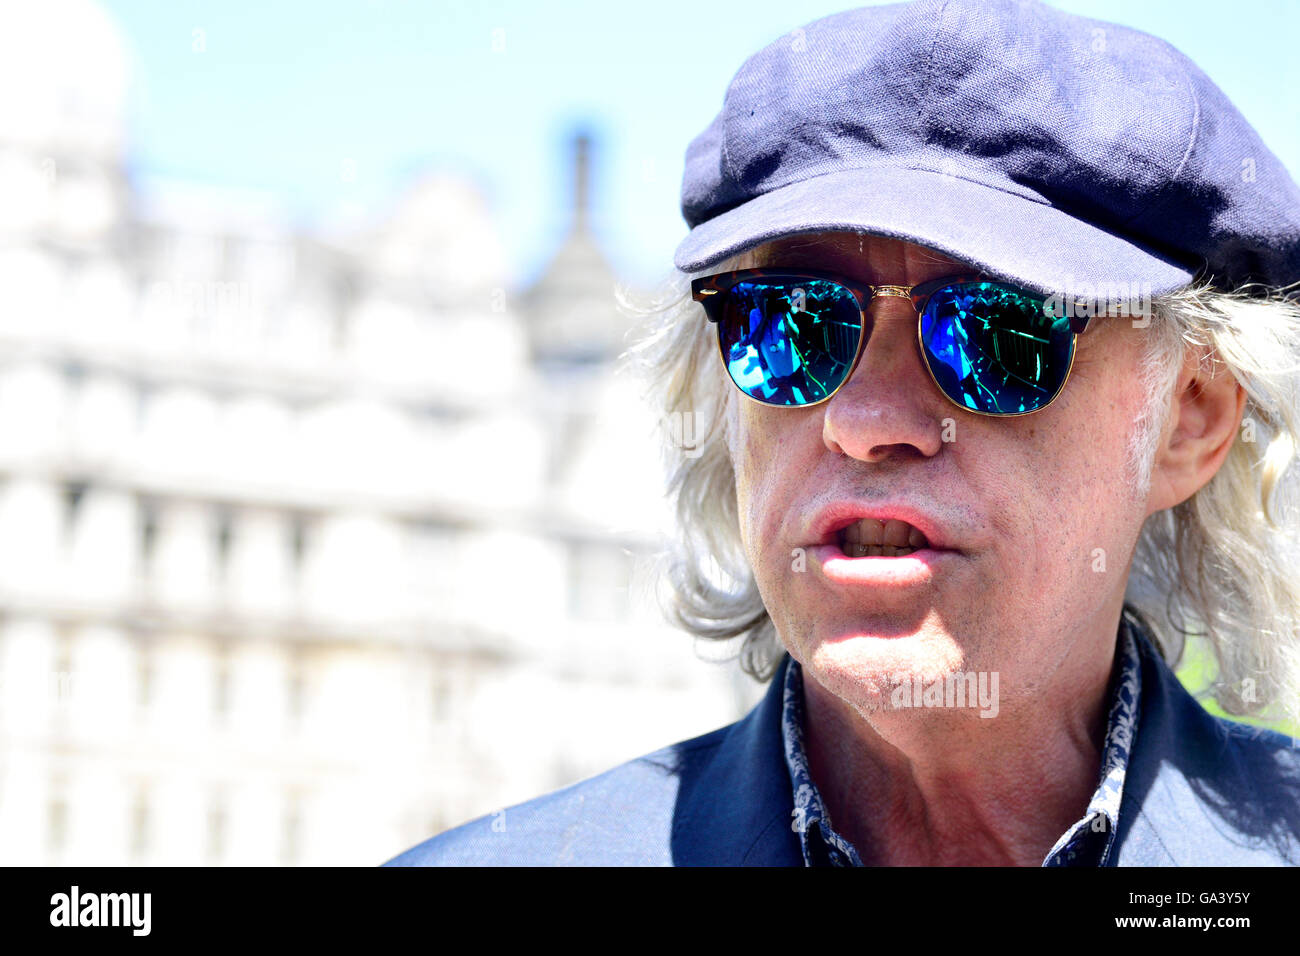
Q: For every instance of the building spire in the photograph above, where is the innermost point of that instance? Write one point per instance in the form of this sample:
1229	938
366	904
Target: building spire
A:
581	180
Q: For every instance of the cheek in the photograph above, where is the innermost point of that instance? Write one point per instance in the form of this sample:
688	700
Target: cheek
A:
764	453
749	453
1075	475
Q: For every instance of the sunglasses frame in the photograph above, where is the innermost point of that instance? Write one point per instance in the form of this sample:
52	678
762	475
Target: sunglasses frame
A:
710	292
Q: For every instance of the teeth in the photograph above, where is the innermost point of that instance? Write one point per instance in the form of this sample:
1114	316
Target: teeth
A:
866	531
892	535
876	551
896	533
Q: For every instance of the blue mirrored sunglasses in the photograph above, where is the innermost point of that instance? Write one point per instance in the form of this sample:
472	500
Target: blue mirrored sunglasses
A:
793	337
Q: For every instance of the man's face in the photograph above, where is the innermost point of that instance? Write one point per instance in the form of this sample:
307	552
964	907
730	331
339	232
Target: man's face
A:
1039	512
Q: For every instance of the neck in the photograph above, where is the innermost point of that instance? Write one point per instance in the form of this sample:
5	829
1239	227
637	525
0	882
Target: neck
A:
944	786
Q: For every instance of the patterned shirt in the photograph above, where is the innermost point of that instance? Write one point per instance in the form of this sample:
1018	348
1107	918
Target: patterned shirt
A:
1086	843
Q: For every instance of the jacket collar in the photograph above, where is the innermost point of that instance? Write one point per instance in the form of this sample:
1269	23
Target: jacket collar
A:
1194	795
739	809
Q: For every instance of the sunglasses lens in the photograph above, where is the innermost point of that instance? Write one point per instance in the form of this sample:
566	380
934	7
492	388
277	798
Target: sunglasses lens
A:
787	340
994	349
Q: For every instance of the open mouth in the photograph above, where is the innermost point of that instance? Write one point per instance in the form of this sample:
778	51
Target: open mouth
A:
872	538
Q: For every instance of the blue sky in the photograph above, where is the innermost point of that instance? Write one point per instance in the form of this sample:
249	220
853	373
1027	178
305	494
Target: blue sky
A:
283	94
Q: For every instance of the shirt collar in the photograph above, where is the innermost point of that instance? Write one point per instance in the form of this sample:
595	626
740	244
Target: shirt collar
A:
1087	842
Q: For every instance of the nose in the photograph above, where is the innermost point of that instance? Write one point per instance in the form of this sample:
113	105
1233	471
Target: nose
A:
889	407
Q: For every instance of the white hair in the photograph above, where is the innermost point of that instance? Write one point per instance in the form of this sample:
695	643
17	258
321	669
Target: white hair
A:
1219	567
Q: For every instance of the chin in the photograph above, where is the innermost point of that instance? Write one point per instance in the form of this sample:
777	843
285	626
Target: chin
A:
864	667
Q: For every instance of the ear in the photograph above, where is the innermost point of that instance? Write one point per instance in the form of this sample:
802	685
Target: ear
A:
1203	422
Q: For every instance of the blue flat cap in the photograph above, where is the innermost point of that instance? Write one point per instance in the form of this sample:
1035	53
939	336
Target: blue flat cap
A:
1057	151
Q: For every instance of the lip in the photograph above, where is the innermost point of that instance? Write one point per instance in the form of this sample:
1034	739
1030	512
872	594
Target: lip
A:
917	569
835	517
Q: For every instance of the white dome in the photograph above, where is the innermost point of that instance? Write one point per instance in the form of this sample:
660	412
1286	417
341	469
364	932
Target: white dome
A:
64	68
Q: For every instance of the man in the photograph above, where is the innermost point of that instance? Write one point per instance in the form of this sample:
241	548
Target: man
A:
1041	427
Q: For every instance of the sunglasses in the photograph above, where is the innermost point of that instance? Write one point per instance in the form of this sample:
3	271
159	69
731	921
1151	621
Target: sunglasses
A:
792	337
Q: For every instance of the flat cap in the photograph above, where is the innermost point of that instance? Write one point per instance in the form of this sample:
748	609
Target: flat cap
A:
1058	151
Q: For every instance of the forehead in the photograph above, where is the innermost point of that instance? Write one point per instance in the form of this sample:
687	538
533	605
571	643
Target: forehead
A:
873	259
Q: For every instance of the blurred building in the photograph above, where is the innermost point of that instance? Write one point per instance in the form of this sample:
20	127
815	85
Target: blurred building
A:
308	549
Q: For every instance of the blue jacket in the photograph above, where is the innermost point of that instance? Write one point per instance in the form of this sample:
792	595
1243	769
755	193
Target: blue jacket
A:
1199	790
